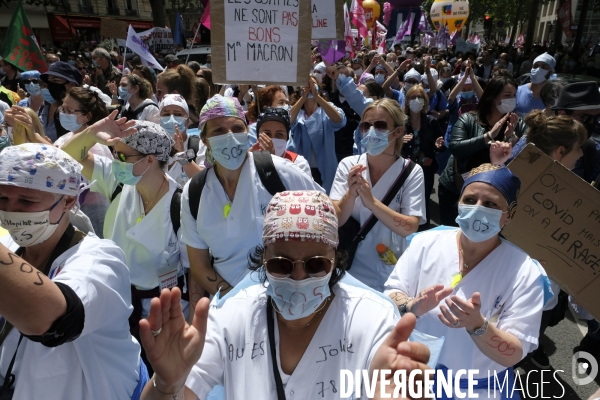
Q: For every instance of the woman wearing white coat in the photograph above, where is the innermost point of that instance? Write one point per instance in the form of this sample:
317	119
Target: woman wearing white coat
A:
259	333
362	182
139	217
64	297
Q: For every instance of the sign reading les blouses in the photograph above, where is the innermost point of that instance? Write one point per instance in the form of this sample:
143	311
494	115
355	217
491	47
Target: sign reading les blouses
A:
261	41
558	222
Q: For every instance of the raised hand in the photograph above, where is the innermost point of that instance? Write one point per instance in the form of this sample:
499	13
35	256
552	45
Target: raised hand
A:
439	142
112	86
354	177
428	299
498	126
500	152
178	138
266	143
109	131
177	346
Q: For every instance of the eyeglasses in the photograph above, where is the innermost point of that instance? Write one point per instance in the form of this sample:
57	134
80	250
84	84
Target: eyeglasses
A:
123	157
28	81
379	126
68	111
315	267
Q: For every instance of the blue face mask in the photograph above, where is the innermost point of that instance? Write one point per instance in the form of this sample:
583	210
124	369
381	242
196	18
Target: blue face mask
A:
375	142
123	172
124	93
69	122
47	96
229	150
72	62
310	96
33	89
95	64
467	95
379	79
478	223
169	122
298	299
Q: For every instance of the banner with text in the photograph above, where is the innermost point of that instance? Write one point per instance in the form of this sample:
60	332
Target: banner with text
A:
327	19
257	43
558	222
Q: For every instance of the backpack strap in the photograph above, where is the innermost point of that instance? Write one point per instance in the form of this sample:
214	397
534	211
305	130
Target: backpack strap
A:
176	209
267	172
118	190
194	144
195	191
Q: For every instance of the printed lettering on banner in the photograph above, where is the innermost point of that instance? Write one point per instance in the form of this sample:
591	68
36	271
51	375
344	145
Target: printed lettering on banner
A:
327	19
260	41
557	221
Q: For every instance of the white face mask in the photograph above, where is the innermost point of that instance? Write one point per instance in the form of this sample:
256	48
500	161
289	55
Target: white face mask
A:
507	105
392	64
407	86
280	146
358	72
416	105
29	228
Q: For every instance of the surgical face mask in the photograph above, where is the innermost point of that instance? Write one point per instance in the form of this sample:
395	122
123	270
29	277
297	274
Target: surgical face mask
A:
379	79
407	86
298	299
124	93
95	64
286	107
87	54
375	141
507	105
29	228
169	122
229	150
280	146
69	122
467	95
310	95
33	89
444	80
478	223
392	64
47	96
358	72
538	75
123	172
416	105
72	62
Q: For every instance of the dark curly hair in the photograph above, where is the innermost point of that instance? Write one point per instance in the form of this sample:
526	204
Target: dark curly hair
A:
255	264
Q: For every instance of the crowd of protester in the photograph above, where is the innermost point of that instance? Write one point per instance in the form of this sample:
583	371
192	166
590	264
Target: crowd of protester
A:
178	190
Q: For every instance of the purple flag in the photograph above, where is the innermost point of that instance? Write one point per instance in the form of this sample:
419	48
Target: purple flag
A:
453	37
424	24
405	28
332	50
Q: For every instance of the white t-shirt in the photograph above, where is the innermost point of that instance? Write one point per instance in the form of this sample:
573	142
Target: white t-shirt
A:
237	355
367	267
230	240
103	362
150	244
510	284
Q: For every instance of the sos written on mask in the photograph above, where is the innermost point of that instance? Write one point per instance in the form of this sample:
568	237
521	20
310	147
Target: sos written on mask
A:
31	228
229	150
478	223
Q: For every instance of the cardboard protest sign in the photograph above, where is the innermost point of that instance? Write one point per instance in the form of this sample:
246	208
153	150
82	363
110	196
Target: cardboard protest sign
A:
260	42
558	221
113	28
327	19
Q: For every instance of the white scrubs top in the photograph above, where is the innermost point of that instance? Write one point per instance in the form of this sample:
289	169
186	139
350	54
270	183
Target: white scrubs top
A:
367	267
237	354
510	284
150	245
301	163
103	362
231	239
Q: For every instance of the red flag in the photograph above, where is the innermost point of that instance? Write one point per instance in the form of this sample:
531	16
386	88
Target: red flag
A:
205	20
565	19
358	18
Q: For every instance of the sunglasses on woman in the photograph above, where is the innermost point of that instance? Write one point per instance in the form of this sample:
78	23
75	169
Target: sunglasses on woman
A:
123	157
28	81
315	267
379	126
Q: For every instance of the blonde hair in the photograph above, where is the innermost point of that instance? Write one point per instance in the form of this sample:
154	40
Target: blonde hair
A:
393	109
35	121
411	92
483	168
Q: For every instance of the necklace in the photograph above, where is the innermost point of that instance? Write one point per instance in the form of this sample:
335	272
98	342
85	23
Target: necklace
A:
460	274
145	205
309	322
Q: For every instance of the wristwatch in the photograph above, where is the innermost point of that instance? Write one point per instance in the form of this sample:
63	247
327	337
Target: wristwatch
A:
482	330
404	309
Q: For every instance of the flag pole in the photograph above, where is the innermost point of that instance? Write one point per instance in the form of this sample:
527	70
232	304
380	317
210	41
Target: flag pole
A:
125	51
193	40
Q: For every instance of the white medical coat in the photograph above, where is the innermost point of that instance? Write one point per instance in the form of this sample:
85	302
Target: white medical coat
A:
150	244
367	267
510	284
237	354
103	362
231	239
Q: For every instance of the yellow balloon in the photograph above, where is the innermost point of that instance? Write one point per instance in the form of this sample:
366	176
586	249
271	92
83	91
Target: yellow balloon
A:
452	14
372	12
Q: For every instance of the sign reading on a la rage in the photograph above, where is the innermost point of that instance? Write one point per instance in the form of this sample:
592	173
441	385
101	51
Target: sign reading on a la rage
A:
261	41
558	221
